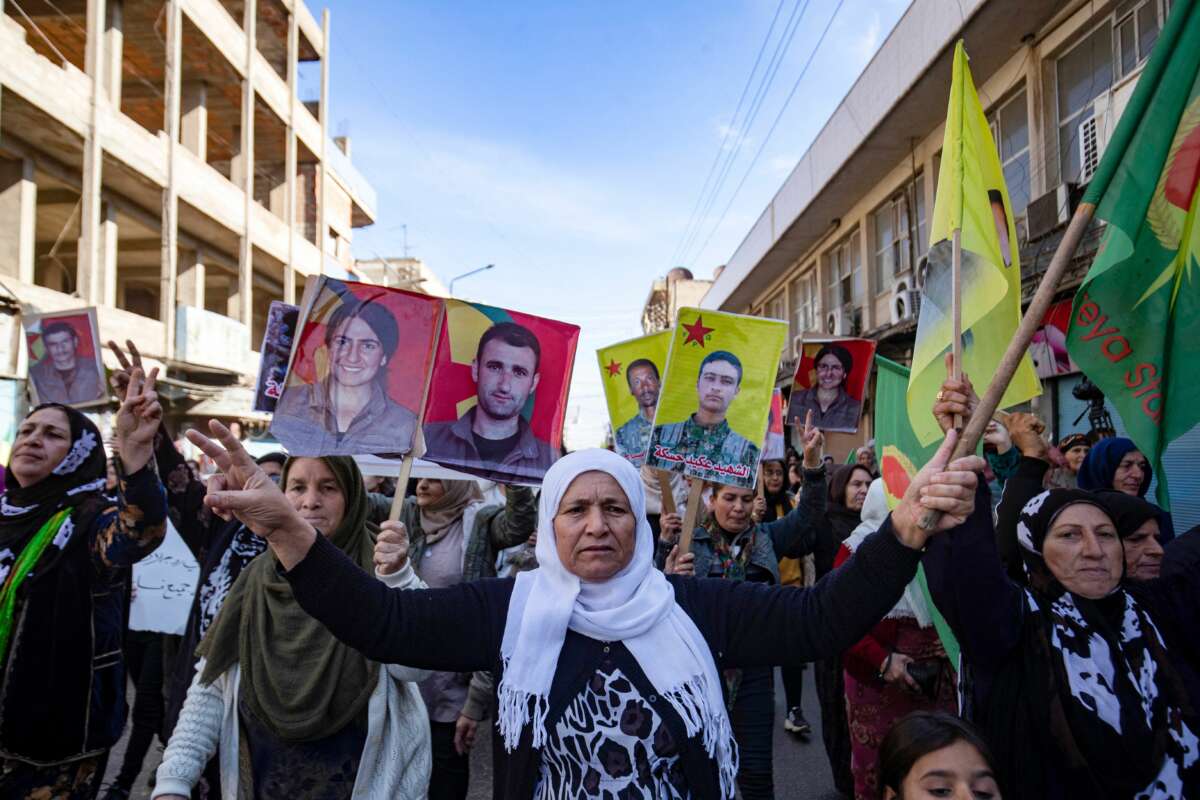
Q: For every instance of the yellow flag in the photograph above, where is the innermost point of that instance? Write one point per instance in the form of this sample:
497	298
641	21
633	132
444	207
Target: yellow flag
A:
971	198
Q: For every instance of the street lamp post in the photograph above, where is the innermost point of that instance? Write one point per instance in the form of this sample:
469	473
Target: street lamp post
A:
467	275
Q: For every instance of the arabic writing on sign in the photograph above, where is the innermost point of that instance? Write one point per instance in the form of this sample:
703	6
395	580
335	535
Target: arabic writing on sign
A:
701	462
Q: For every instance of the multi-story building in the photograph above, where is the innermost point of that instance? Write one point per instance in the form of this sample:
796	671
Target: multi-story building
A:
401	273
839	248
678	289
169	162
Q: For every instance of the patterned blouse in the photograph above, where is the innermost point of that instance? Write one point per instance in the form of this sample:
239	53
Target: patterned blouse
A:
610	743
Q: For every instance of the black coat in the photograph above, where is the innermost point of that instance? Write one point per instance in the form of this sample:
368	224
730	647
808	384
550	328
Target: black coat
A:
460	629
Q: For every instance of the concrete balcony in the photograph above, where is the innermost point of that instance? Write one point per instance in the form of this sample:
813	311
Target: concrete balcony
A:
362	194
202	186
115	323
214	340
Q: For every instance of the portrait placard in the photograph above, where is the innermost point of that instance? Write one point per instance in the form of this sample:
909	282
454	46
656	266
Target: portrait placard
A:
831	381
631	372
276	351
773	449
498	396
358	375
64	358
716	396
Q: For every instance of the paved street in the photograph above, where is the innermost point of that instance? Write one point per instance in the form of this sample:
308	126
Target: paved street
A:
801	770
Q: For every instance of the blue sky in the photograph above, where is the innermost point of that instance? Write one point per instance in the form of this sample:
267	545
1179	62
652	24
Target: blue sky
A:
567	142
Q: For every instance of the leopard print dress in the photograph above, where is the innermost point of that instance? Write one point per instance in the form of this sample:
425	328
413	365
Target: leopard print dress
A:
611	744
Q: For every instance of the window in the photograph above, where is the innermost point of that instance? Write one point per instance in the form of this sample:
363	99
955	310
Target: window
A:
804	304
1135	32
1082	75
777	307
1010	129
897	243
843	274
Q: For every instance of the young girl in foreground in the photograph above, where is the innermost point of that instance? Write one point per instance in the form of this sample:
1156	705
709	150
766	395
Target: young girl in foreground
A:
936	755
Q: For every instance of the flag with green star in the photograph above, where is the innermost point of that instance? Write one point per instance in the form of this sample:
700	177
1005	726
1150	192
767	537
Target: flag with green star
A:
1136	318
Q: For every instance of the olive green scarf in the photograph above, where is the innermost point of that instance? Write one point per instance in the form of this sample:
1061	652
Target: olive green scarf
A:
297	679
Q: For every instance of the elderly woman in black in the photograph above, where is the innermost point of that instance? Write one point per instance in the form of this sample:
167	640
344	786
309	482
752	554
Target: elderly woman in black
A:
609	670
65	548
1083	679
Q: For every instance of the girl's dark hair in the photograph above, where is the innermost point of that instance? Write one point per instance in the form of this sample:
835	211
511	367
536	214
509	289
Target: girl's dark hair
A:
919	734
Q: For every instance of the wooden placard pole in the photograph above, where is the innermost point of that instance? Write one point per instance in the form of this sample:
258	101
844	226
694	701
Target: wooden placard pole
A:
401	487
418	443
664	488
1032	320
695	498
956	310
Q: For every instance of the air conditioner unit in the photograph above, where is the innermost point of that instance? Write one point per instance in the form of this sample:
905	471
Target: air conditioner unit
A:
797	346
1093	137
1051	210
839	322
905	303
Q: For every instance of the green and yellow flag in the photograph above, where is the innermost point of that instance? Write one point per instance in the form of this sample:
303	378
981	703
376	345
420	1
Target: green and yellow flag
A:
971	198
1135	324
901	455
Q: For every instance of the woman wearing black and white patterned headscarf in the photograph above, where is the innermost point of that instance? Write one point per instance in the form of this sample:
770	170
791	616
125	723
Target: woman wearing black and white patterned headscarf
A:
1084	681
65	548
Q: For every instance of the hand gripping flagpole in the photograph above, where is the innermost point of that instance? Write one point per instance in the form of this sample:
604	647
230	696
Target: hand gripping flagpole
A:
1034	315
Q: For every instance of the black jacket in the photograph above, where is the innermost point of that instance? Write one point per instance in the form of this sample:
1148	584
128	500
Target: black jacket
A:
745	624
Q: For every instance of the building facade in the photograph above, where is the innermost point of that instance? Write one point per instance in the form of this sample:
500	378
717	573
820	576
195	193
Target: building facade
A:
169	162
677	289
839	249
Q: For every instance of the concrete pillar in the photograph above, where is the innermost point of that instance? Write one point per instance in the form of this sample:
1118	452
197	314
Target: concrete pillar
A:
290	158
233	302
18	219
169	265
322	221
190	288
194	120
88	263
245	291
114	44
107	278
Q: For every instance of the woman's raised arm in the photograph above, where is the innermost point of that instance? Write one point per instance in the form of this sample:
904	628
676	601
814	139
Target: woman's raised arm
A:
456	628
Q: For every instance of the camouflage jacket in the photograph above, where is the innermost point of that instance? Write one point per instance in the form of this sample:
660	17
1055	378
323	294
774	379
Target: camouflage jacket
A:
714	453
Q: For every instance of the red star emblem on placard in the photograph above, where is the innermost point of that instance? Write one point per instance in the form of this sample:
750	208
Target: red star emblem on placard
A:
614	368
696	332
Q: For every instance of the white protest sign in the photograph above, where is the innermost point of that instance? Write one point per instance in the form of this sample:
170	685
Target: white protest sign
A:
164	584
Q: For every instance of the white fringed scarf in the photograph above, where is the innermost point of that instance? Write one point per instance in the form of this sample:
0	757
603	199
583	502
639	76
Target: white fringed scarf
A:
635	607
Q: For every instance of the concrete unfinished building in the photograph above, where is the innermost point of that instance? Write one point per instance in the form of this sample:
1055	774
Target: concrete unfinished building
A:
169	161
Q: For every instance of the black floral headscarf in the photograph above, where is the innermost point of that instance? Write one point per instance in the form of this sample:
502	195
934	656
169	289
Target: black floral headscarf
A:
78	478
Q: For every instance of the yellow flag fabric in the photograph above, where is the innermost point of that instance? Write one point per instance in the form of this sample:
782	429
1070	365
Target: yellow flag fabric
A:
971	198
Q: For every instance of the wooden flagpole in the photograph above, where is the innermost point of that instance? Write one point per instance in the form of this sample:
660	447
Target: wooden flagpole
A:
956	310
1034	315
664	488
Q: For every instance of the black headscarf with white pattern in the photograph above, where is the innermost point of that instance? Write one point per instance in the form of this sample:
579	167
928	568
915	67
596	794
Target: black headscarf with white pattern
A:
1129	725
78	478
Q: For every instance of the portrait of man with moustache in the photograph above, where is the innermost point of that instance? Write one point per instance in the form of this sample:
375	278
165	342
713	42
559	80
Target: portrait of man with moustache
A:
493	439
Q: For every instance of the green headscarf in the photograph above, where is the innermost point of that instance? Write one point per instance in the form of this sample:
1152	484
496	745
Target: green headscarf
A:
297	679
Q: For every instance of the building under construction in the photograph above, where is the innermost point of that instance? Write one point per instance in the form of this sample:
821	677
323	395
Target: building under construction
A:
169	162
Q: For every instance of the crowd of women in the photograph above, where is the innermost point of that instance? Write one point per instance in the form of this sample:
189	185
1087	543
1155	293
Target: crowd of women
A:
1037	640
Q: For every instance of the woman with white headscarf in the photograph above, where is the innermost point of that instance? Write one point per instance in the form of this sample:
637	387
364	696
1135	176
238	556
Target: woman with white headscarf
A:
898	668
608	669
